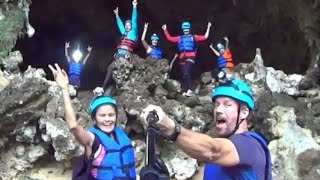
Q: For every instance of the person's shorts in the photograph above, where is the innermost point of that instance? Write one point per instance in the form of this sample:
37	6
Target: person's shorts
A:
74	80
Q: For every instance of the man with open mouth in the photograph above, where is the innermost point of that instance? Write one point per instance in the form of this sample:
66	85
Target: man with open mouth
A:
236	153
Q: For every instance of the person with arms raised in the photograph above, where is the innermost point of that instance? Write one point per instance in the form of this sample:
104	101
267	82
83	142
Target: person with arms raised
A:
114	157
187	52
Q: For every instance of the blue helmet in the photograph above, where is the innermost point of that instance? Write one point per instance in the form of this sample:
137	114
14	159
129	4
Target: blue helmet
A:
154	37
99	100
220	46
236	89
185	25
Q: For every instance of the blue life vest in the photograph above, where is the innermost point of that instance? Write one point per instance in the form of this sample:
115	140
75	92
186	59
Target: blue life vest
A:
214	171
75	67
119	161
186	43
155	52
222	62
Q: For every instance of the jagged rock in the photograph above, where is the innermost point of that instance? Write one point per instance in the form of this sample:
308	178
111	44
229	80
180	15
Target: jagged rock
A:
287	148
160	94
55	107
139	149
315	107
4	82
311	79
24	92
49	171
206	78
180	165
205	106
121	70
3	141
309	164
189	101
263	78
279	82
23	102
173	87
264	121
144	85
189	117
309	82
56	132
26	134
255	74
34	73
317	139
309	93
259	70
19	158
11	63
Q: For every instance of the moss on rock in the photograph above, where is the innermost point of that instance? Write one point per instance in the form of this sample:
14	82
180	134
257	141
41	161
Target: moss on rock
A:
10	27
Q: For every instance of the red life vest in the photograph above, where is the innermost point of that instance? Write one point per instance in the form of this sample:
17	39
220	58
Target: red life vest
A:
126	44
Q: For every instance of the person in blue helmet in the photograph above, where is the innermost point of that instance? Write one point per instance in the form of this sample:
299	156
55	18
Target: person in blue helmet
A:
224	59
128	30
224	54
76	64
152	50
237	153
114	157
187	52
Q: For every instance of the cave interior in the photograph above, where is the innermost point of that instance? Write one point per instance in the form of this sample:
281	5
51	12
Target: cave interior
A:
248	24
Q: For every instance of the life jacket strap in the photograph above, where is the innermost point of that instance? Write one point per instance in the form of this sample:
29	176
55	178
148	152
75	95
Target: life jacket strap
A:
123	167
124	148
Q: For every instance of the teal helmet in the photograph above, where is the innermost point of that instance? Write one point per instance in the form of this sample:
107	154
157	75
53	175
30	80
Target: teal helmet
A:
99	100
220	46
236	89
128	21
154	37
185	25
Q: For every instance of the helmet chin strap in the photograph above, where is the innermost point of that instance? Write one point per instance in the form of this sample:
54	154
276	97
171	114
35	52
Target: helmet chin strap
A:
239	121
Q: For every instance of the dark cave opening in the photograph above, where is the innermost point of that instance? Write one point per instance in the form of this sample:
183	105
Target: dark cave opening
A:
247	24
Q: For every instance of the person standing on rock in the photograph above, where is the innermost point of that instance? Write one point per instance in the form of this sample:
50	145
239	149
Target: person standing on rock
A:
237	153
114	156
76	64
187	52
129	32
152	50
129	36
224	59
